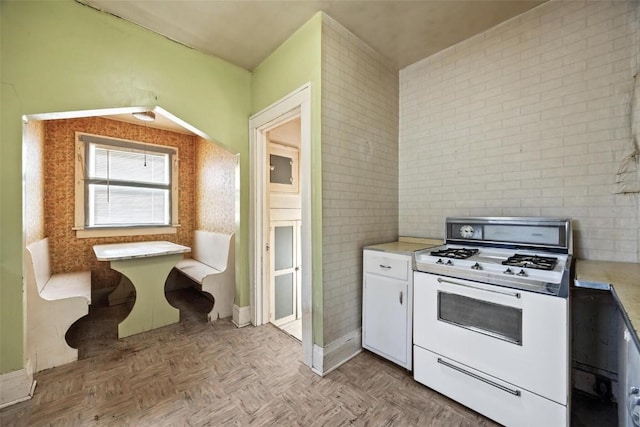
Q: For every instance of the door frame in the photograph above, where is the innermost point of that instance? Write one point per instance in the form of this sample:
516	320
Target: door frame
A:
296	103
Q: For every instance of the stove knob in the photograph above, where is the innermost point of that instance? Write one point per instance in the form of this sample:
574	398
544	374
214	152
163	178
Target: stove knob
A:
508	271
522	273
449	262
439	261
476	266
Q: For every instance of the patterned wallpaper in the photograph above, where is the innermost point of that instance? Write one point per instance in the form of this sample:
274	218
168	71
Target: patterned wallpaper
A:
71	254
215	187
33	141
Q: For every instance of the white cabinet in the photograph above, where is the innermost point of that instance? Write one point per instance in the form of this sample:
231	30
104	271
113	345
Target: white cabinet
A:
387	299
628	377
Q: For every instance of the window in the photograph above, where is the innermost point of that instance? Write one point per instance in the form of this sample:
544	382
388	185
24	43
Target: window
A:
124	185
283	168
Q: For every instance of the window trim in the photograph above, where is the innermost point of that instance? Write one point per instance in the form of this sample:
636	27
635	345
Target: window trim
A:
80	210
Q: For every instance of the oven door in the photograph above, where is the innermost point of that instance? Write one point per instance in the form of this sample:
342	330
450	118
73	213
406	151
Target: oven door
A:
518	337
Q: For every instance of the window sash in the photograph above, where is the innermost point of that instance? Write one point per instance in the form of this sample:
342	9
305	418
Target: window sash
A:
129	206
155	185
99	181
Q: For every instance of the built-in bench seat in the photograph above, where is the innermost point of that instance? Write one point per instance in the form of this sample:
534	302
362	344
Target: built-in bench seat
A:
54	303
212	268
68	285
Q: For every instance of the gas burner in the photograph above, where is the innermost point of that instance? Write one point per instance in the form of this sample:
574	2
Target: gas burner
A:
531	261
455	253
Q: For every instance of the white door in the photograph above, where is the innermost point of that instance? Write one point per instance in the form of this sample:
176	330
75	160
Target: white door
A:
385	317
285	270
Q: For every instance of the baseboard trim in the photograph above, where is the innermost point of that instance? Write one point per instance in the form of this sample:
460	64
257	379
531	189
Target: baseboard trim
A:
336	353
16	387
241	316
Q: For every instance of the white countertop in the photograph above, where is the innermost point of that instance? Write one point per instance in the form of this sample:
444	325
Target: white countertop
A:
121	251
405	245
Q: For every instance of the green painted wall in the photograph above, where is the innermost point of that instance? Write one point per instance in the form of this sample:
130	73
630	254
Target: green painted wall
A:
294	63
59	56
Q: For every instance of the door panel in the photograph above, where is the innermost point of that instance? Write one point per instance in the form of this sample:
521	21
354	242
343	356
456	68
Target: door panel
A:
283	246
284	294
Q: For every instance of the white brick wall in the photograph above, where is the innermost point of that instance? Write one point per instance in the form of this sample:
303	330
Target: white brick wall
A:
530	118
359	169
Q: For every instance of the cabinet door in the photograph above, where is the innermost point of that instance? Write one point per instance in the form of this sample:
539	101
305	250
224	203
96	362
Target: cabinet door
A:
628	377
632	396
384	317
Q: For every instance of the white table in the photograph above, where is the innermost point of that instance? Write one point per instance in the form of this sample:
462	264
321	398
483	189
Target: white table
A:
146	265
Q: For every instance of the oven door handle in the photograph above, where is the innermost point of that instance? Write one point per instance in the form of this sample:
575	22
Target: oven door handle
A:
478	377
495	291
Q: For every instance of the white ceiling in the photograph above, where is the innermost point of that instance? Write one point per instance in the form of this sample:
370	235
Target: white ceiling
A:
245	32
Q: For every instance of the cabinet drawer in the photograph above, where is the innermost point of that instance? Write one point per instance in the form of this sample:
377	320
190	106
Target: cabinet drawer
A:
387	265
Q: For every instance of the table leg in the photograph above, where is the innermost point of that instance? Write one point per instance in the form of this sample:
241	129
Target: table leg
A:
150	309
124	292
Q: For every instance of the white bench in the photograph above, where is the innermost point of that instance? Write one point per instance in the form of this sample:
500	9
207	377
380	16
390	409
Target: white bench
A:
54	303
212	266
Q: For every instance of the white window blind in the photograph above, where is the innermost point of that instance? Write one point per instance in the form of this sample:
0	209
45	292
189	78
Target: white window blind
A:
126	183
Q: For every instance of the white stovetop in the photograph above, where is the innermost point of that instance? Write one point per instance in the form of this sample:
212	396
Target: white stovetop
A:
490	260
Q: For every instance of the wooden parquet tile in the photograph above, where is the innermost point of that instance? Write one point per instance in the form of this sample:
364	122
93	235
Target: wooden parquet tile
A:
194	373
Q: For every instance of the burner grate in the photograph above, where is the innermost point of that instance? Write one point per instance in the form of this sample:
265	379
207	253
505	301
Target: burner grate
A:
455	253
531	261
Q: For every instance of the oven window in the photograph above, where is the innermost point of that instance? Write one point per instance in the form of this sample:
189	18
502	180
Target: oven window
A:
496	320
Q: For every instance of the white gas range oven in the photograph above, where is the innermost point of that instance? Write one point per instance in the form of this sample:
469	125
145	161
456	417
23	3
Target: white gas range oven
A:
491	318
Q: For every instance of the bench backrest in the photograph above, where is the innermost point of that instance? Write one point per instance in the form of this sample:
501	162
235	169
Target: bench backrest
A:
212	248
40	259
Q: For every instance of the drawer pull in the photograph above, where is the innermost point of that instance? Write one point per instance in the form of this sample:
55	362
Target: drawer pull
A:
386	267
495	291
400	297
478	377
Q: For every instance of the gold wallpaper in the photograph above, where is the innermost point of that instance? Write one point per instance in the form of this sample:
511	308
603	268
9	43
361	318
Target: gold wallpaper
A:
215	188
71	254
33	141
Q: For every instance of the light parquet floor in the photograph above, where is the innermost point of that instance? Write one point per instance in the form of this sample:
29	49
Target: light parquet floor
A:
293	328
199	374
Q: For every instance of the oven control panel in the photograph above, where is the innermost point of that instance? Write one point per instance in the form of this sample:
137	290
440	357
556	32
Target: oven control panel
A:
548	233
